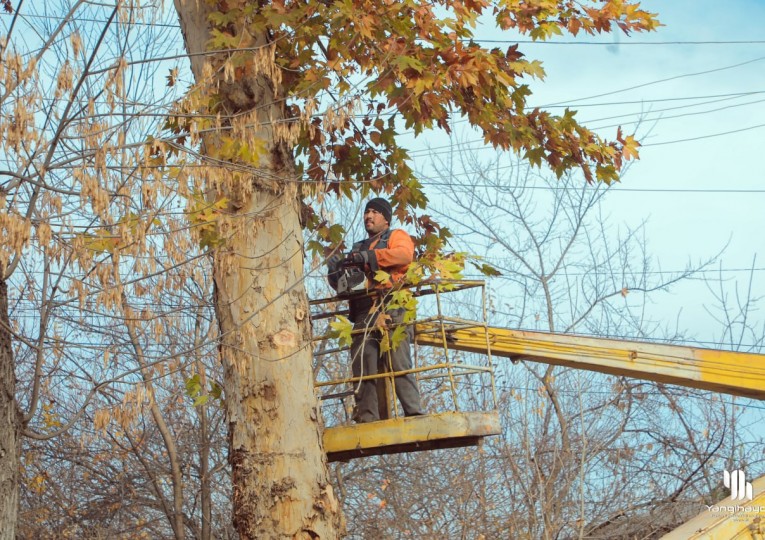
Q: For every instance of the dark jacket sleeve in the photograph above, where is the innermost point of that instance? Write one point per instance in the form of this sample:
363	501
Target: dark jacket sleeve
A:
333	269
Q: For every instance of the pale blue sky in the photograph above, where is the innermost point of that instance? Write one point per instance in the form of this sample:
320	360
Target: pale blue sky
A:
686	221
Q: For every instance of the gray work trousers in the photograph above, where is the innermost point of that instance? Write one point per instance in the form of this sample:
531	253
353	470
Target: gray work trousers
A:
368	360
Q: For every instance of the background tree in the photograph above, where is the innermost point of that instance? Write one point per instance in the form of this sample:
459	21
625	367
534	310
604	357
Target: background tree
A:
92	240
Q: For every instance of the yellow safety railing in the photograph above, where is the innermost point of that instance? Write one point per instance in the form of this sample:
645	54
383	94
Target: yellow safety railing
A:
336	383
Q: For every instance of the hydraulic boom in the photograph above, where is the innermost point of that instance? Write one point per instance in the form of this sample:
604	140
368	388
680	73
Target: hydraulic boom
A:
741	374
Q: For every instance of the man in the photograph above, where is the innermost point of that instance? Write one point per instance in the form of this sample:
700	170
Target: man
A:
392	251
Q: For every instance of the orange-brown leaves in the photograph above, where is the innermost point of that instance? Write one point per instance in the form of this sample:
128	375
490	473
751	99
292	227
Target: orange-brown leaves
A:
413	65
629	145
540	18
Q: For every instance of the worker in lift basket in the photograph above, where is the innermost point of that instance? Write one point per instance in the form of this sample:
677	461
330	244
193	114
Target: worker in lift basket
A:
392	251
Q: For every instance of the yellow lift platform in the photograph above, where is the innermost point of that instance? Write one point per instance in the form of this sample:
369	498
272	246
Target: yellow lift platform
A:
450	429
453	419
462	415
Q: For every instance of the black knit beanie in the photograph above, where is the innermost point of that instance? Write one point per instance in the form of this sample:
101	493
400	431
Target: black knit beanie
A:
382	206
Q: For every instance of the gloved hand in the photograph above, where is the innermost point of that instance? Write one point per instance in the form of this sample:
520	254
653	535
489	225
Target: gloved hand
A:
358	257
334	261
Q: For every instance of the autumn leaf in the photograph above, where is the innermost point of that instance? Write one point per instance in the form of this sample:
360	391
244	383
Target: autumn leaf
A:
383	320
203	216
50	419
172	76
630	148
37	484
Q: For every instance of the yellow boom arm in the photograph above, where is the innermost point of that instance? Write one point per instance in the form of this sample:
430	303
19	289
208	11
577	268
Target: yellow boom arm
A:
741	374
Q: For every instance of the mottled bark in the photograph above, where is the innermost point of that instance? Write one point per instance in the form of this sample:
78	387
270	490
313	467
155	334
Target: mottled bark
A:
9	426
280	479
281	486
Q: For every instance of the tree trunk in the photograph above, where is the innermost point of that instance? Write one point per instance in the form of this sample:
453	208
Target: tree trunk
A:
9	426
279	468
281	485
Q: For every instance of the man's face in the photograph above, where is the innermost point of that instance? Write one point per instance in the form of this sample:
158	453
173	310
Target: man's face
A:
374	222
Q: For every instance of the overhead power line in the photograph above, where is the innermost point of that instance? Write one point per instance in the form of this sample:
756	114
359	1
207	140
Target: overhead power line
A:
627	43
476	39
620	43
644	273
667	79
576	188
725	97
90	20
709	136
442	181
644	101
733	346
426	152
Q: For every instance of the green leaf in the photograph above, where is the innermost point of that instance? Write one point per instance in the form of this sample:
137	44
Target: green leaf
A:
385	344
535	156
382	276
606	173
341	330
399	335
487	269
222	41
193	386
223	19
409	62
